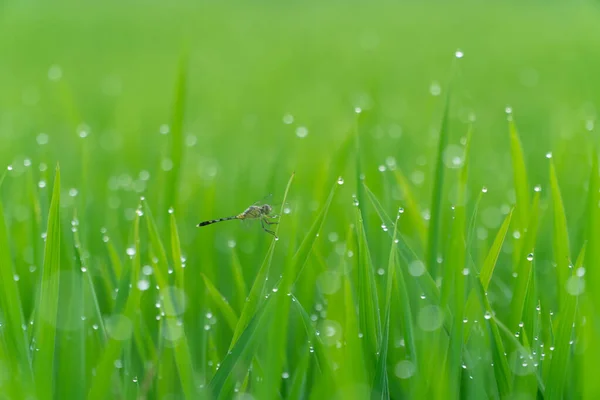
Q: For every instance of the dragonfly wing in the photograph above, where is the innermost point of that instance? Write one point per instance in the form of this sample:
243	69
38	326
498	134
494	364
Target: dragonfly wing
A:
265	200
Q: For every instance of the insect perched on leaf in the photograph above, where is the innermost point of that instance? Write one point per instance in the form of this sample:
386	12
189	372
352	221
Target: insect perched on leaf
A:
258	211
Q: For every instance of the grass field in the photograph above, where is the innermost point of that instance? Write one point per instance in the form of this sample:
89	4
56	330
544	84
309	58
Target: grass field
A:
434	165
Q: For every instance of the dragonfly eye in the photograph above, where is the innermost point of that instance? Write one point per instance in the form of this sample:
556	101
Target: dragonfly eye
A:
266	209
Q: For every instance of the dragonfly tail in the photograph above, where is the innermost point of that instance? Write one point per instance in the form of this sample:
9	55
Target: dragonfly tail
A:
214	221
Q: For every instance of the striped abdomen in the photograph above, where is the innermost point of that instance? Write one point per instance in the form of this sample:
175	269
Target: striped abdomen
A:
214	221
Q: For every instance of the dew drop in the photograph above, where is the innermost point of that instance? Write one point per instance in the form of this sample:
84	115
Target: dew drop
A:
301	132
164	129
340	181
288	119
459	54
530	257
55	73
484	190
435	88
42	139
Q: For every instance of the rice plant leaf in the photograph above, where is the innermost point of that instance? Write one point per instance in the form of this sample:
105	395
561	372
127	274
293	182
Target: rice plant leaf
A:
454	277
47	305
319	350
301	256
525	266
10	302
238	357
368	302
178	268
436	195
176	132
380	388
560	238
173	307
502	370
219	301
407	254
485	275
238	280
357	371
126	305
412	209
592	277
561	357
258	286
520	177
292	272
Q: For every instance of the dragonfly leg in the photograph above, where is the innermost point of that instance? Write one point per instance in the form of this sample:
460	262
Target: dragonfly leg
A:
262	221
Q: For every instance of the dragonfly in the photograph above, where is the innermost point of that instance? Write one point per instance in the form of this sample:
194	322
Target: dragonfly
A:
260	210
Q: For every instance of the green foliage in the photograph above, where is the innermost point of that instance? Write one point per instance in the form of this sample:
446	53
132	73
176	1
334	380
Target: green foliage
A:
425	240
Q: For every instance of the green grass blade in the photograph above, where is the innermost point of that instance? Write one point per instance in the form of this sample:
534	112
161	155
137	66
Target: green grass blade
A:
412	209
178	267
292	272
238	357
560	238
238	280
525	267
222	305
47	306
322	362
591	385
126	305
176	133
368	303
173	307
303	252
485	275
436	196
520	177
258	286
454	277
502	371
10	301
407	254
380	388
560	363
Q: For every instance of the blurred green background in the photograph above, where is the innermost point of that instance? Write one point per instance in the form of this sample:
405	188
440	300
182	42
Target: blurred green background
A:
271	88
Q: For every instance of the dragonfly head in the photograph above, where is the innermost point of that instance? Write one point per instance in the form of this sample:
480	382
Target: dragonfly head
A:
266	209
